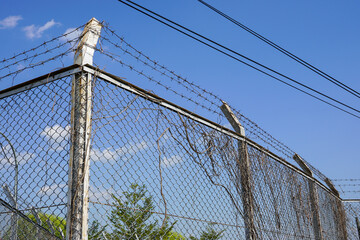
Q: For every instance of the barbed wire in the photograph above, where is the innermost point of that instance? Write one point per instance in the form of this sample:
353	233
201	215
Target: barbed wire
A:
38	64
346	179
348	185
39	54
51	50
254	128
210	98
150	78
213	158
180	80
209	101
41	45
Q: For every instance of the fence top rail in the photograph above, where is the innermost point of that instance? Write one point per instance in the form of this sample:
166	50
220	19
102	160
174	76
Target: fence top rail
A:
73	69
169	105
49	77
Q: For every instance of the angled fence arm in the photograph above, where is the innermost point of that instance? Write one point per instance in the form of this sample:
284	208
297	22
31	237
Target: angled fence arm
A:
314	198
339	211
79	164
244	176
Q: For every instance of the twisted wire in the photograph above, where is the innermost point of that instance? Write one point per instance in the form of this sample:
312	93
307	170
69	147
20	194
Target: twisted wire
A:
253	128
41	45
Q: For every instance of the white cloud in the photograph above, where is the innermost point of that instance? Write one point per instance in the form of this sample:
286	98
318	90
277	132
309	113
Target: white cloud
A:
33	31
57	136
10	22
71	34
59	191
134	147
171	161
104	155
20	66
100	194
53	189
109	155
8	158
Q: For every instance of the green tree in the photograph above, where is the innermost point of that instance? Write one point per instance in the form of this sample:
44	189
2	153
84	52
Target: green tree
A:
175	236
95	231
131	218
29	230
209	234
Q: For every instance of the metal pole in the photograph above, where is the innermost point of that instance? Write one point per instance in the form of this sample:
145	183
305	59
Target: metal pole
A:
314	198
78	187
244	176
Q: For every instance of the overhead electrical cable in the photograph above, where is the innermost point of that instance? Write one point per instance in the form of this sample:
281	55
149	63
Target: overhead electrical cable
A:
284	51
237	59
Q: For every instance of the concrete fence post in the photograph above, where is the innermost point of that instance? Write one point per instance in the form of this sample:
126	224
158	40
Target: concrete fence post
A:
339	211
78	186
314	198
244	176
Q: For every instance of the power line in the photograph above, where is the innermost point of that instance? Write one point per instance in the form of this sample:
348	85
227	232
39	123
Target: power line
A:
284	51
235	58
346	180
349	185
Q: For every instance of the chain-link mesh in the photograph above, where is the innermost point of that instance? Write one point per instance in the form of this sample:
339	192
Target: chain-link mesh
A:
19	225
282	199
34	154
191	175
155	173
179	89
332	215
157	170
139	147
352	210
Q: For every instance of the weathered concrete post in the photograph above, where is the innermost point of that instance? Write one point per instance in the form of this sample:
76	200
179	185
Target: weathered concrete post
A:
78	187
244	176
339	211
314	198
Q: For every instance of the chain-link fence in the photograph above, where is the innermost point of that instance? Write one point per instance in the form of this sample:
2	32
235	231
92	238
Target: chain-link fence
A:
156	170
34	156
85	154
352	209
191	171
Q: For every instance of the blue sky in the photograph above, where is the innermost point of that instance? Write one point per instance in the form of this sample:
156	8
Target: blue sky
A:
325	33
